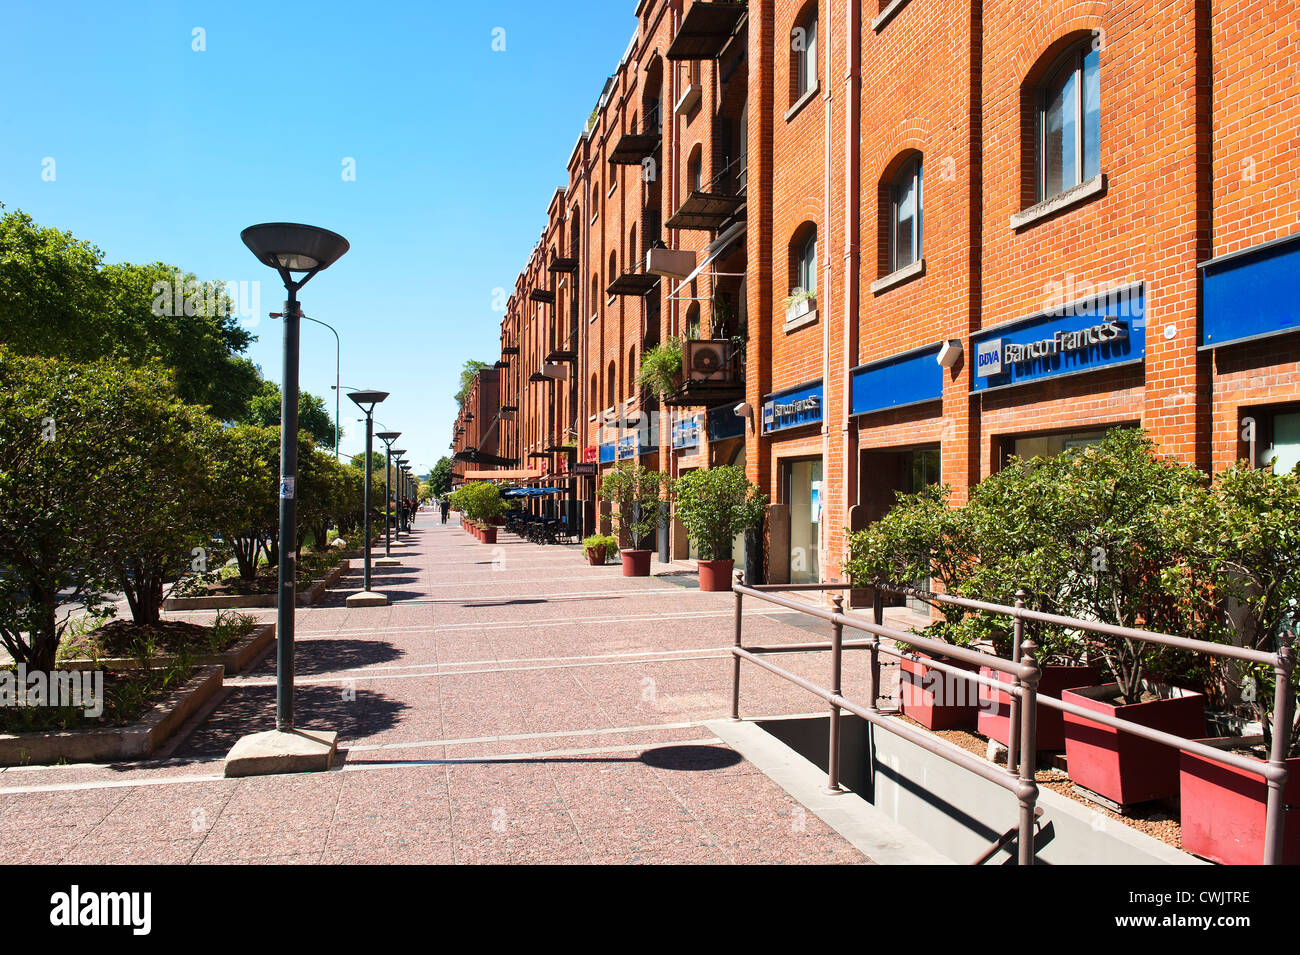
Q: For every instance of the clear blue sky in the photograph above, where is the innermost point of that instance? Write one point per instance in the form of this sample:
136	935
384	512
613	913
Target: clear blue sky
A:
164	153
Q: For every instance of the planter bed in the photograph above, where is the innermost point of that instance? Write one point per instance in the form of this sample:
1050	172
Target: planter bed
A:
1224	809
232	660
237	601
102	744
1154	819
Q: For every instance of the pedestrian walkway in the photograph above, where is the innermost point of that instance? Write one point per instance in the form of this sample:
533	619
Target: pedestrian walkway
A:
511	705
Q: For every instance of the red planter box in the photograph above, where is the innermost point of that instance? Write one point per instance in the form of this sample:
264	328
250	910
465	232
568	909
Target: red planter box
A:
636	563
937	700
1224	810
488	535
1120	766
595	556
995	706
715	575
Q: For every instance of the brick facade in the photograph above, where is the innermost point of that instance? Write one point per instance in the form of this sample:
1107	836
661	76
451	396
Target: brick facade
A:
1198	149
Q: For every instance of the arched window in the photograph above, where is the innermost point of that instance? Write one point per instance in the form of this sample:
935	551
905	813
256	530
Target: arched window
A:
593	404
632	370
1069	121
803	259
613	266
803	47
693	321
609	384
905	215
695	170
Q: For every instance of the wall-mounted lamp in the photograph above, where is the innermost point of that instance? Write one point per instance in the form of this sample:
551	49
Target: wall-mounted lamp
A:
949	353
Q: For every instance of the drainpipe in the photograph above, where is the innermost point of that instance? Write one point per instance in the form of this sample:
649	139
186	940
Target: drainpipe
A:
852	259
826	45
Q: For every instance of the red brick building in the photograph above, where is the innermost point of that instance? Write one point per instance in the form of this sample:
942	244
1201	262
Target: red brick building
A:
924	237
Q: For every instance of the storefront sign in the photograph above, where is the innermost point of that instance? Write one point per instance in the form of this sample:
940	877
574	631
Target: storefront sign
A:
591	453
1101	332
686	433
897	381
585	469
1251	294
793	408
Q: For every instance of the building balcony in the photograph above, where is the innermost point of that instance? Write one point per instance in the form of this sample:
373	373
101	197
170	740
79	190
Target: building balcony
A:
510	350
713	374
543	295
636	281
562	264
560	355
706	30
633	147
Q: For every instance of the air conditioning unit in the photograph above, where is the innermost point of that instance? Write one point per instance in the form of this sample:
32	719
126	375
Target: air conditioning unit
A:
706	360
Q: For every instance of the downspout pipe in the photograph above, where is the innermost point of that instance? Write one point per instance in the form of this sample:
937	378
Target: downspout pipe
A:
826	45
852	250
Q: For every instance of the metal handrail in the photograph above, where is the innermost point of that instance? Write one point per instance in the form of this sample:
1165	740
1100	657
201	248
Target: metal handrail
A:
1023	692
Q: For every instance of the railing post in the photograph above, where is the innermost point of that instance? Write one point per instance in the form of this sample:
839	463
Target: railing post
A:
1028	784
735	659
1275	815
837	661
878	616
1013	721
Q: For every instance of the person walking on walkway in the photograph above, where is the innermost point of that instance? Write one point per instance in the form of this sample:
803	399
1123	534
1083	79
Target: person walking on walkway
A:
444	506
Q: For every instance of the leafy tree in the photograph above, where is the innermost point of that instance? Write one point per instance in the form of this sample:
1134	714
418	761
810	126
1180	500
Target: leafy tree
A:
264	409
634	493
467	376
58	298
440	478
246	474
101	471
716	504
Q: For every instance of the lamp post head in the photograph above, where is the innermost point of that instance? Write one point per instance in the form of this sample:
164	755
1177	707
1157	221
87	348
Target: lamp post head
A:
290	247
388	437
366	400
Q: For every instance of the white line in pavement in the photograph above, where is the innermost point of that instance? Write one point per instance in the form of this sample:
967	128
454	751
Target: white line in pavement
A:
532	624
333	680
528	757
556	734
347	767
586	656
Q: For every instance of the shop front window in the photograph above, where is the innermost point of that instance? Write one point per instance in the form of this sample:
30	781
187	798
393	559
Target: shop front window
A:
804	494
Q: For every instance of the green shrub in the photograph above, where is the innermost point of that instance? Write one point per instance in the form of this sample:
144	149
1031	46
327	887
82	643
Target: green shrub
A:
635	493
715	505
596	541
661	368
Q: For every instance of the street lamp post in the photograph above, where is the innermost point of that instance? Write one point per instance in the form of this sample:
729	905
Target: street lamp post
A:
388	437
397	509
366	401
297	252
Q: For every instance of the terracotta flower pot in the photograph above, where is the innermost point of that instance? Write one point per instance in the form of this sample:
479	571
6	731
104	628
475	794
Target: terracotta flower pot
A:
937	700
1049	732
488	535
595	556
715	575
1120	766
636	563
1224	810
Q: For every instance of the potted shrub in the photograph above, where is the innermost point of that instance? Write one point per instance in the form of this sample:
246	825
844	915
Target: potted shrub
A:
598	548
923	538
1248	538
481	503
635	493
661	368
1117	514
714	505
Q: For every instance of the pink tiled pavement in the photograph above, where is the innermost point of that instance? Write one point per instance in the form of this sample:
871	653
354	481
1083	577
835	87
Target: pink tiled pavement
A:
511	705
